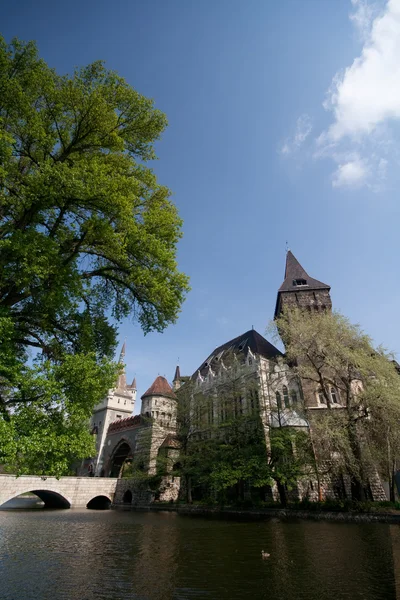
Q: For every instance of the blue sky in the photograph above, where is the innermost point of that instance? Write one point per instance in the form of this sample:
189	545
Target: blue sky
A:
283	126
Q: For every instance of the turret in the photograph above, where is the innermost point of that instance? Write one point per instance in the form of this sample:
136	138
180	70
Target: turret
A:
159	403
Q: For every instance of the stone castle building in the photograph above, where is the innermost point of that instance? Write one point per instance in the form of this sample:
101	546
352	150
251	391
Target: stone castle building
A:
244	376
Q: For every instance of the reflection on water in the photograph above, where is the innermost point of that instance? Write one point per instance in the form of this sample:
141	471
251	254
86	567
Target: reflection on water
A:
88	555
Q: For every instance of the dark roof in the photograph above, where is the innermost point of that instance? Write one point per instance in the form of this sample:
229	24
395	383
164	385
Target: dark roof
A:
160	387
251	339
177	375
294	271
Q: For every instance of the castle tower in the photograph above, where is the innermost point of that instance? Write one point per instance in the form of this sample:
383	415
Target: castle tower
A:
118	404
159	403
301	290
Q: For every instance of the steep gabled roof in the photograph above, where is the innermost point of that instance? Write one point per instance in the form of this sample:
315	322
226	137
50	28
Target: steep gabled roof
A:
293	272
250	340
160	387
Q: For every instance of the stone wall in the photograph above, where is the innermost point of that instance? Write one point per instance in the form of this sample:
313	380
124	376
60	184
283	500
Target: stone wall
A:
77	491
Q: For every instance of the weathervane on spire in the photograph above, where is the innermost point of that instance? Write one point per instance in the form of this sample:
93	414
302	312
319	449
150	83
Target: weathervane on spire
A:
287	247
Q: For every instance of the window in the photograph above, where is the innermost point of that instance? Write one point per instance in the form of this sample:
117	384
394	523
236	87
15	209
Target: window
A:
254	401
119	416
297	282
286	396
293	397
210	414
278	400
321	397
238	406
334	396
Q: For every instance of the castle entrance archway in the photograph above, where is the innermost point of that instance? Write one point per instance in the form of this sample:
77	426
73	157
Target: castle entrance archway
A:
121	454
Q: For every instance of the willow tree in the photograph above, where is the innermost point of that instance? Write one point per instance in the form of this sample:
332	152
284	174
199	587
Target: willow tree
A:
87	234
359	430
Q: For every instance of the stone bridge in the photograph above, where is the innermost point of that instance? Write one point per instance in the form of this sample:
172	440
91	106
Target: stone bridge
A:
66	492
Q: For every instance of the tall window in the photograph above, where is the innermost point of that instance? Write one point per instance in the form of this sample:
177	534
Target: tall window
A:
334	396
285	396
321	397
238	406
254	401
293	396
278	400
210	413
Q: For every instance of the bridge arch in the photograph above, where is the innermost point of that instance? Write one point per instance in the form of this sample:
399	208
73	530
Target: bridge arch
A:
99	503
51	498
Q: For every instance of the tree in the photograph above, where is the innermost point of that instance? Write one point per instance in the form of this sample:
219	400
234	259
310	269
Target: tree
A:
358	384
87	235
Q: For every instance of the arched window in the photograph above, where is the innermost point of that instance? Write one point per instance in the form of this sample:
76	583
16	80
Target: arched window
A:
293	396
285	396
321	397
278	400
334	396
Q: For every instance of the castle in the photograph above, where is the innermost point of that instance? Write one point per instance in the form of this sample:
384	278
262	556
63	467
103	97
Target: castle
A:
265	385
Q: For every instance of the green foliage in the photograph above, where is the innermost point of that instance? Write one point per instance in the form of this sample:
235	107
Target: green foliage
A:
87	237
45	427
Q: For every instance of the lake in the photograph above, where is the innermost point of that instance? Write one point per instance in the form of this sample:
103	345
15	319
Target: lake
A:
121	555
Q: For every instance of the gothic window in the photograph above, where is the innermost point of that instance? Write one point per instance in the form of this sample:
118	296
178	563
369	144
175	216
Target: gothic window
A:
278	400
285	396
334	396
293	397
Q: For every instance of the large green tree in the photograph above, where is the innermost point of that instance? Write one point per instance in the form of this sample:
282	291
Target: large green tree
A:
87	235
359	431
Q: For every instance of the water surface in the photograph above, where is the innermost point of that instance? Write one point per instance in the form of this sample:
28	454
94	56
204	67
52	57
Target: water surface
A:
113	555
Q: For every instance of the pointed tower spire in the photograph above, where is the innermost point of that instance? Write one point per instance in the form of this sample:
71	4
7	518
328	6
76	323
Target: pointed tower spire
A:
300	289
121	383
177	375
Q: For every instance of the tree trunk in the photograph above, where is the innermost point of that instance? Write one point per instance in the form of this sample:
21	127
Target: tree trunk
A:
357	482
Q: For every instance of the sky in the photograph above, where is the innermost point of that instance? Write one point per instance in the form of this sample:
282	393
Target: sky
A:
284	129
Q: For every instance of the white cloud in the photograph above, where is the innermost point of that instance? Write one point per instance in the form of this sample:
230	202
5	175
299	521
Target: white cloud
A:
363	16
352	173
364	100
368	92
303	130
